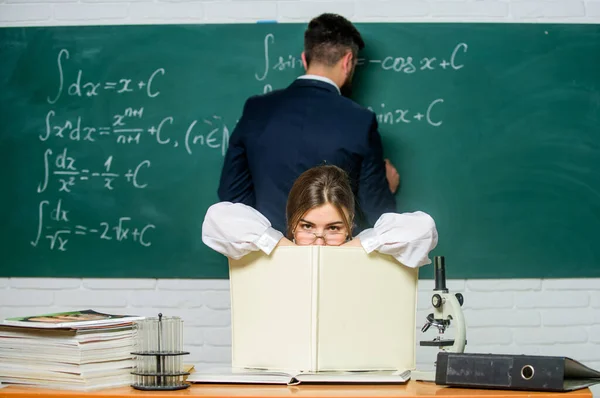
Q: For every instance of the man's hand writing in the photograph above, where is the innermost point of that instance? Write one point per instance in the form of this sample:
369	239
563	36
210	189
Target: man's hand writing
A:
391	174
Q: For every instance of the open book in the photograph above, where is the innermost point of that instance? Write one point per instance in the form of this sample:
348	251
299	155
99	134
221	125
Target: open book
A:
322	309
71	320
256	376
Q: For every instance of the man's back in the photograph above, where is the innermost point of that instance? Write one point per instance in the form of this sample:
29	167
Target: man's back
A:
284	133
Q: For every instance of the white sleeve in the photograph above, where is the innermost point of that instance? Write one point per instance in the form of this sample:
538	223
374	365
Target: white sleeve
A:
408	237
234	230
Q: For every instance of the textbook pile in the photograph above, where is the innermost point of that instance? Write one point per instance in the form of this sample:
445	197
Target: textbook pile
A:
82	350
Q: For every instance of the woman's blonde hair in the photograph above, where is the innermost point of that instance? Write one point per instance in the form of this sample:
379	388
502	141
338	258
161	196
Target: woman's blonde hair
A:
316	187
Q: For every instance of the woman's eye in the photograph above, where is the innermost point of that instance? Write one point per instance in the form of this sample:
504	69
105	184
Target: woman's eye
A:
334	228
306	226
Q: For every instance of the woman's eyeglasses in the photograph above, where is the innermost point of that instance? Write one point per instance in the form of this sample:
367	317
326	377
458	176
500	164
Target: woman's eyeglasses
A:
331	238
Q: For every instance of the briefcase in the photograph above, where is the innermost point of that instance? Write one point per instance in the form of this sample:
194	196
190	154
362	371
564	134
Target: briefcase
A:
513	372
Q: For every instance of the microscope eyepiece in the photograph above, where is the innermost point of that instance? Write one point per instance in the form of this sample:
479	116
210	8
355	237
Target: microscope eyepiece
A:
439	264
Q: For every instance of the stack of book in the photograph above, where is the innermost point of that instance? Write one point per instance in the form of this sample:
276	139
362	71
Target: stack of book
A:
83	350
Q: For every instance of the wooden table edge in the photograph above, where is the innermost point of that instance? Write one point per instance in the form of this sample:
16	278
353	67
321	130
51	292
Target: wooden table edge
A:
411	389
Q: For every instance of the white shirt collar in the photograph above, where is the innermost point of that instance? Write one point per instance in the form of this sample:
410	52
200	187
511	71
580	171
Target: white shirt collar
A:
321	78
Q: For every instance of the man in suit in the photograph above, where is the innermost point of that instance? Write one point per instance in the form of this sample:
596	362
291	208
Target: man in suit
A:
285	132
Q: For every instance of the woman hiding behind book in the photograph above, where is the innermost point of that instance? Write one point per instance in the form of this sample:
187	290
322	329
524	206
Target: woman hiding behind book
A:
320	211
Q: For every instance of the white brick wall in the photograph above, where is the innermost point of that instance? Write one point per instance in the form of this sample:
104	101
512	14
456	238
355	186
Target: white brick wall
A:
549	317
517	316
94	12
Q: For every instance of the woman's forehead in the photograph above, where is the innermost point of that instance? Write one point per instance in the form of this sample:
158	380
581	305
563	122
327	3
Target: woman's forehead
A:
324	214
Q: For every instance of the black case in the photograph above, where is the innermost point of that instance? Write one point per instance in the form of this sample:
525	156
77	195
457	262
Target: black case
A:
513	372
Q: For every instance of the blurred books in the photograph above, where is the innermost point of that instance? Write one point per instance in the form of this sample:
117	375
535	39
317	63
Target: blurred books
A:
81	350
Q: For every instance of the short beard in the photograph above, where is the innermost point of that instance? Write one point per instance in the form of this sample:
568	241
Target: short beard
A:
346	89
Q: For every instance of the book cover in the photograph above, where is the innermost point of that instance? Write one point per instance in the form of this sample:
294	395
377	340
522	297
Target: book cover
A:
73	319
322	308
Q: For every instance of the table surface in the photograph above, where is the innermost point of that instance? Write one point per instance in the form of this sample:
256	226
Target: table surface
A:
411	389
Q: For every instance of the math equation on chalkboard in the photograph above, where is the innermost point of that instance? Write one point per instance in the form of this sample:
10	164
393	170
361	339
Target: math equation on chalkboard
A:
138	118
65	173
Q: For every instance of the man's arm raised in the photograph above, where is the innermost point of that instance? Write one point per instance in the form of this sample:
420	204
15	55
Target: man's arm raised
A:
374	190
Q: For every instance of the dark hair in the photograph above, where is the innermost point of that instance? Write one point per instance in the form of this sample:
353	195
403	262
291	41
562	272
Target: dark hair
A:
329	37
316	187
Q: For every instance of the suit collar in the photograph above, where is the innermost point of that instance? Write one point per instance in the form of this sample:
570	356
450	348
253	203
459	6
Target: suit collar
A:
311	81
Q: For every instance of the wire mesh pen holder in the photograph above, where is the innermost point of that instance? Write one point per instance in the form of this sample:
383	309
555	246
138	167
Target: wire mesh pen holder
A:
159	355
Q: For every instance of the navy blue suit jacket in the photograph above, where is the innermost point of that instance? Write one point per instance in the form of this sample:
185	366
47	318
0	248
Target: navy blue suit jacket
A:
285	132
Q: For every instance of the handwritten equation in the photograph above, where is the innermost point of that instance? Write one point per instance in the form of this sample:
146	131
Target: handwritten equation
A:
64	168
211	132
407	64
81	87
60	232
399	116
410	65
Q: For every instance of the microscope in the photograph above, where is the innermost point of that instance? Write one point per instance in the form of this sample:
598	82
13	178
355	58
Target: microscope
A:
446	310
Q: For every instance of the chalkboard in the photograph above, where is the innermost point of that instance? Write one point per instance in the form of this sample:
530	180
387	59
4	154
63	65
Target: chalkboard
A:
112	140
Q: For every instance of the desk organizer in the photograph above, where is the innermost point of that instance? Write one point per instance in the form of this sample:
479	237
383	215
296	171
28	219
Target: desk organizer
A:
159	364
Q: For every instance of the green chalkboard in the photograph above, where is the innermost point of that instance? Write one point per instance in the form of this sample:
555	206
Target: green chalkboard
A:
112	140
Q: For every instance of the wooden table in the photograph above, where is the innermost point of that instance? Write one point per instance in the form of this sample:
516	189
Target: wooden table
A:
411	389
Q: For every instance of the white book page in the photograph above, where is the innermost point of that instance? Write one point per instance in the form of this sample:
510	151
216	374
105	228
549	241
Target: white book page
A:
235	375
271	309
375	377
366	311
